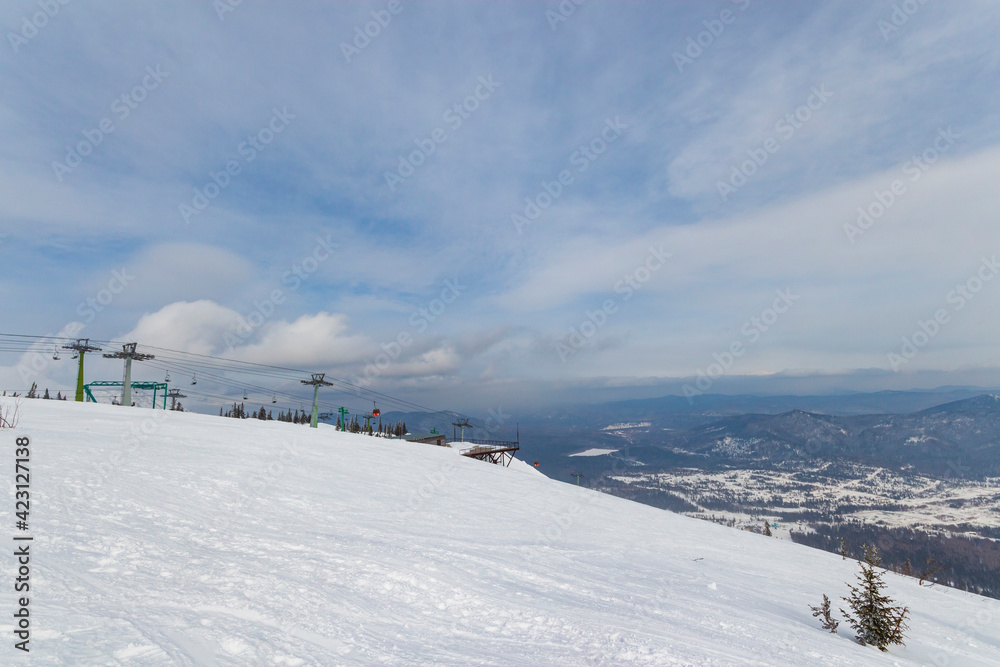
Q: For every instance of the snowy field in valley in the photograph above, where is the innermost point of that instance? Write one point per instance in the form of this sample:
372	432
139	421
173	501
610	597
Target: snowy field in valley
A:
175	538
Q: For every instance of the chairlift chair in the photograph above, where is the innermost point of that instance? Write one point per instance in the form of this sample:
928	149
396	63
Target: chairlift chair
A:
194	379
55	353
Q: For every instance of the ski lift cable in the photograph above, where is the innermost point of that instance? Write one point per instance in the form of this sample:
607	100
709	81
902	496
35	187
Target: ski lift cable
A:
302	372
220	379
402	403
229	382
224	364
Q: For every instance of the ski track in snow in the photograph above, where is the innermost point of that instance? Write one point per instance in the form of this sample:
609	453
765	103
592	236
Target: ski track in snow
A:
211	541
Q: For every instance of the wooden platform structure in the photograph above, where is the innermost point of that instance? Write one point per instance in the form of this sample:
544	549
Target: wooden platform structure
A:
500	452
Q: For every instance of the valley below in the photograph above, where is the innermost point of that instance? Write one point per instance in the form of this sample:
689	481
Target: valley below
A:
923	487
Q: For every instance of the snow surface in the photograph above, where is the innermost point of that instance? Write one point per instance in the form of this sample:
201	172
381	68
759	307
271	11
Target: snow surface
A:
595	452
168	538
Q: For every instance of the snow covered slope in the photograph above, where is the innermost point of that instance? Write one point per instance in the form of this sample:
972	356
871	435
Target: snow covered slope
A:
166	538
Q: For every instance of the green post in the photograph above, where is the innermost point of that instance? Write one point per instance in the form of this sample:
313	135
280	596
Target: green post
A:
79	380
315	419
343	417
316	381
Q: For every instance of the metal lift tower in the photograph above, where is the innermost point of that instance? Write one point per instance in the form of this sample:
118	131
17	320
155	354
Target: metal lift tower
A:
463	424
173	395
129	354
81	347
317	381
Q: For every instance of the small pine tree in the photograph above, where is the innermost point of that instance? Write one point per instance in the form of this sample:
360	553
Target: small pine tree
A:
33	392
46	396
907	568
843	548
876	621
767	530
823	612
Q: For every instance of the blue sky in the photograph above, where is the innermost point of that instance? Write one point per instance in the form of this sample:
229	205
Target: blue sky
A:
646	266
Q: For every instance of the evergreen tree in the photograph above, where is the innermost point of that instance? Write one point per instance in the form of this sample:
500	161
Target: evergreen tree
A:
823	611
33	392
46	396
270	417
767	530
876	621
843	548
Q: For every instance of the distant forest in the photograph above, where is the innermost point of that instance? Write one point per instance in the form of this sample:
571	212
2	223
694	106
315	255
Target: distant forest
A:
968	563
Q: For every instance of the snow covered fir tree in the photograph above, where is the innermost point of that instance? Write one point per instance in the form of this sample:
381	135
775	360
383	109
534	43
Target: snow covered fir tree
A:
876	620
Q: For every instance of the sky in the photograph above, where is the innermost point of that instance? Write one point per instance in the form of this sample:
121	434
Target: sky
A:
474	204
